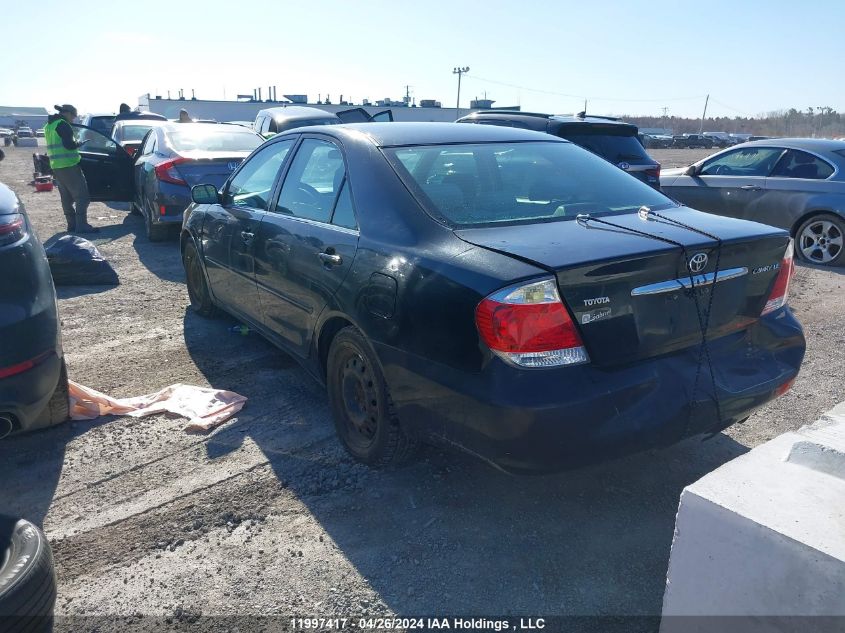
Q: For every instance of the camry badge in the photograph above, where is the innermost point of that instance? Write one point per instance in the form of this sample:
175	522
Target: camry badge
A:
697	262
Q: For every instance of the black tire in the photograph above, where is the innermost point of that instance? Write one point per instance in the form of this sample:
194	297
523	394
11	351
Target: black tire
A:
155	232
58	408
195	280
361	406
27	578
808	240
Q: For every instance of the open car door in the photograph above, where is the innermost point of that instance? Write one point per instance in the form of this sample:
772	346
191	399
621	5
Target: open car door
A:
360	115
106	165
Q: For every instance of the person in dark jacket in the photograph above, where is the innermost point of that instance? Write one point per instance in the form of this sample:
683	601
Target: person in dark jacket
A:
63	151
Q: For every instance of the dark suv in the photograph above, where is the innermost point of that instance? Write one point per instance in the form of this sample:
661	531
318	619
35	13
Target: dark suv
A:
691	141
612	139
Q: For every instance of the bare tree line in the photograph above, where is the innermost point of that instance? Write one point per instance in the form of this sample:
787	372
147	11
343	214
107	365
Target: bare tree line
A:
819	122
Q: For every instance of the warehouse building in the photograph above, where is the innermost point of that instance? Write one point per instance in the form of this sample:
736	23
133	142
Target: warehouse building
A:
246	110
15	116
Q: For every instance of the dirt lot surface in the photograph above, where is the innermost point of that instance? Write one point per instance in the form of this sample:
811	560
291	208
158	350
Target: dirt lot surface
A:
268	515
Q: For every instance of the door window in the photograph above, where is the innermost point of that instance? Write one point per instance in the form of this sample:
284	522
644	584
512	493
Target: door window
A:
94	141
313	181
748	161
798	164
344	214
149	144
252	185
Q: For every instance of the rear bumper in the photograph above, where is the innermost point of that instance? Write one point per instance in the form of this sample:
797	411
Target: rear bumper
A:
24	396
175	199
546	420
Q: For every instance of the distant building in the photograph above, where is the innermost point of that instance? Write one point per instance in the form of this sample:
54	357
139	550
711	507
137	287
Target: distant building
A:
11	116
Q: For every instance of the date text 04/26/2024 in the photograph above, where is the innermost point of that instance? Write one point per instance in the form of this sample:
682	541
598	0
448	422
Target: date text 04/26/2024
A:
409	624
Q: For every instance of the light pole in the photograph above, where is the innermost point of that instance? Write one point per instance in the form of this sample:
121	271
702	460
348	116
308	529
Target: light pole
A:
458	70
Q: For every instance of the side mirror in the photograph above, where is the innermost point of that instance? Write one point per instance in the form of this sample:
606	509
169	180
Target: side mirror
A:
205	194
692	170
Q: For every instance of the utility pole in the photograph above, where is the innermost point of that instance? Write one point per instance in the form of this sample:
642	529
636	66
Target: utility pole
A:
665	111
458	70
704	114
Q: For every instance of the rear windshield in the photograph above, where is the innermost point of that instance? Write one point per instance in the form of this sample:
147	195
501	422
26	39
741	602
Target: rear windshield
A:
227	139
290	124
495	183
615	148
134	132
101	124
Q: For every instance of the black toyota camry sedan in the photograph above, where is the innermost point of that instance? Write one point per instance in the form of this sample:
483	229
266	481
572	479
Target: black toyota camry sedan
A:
496	289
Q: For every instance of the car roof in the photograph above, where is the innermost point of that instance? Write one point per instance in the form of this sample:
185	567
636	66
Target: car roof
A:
297	112
810	144
538	118
150	122
395	134
172	126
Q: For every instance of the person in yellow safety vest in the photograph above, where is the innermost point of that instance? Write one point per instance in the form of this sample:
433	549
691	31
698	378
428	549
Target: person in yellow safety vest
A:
63	152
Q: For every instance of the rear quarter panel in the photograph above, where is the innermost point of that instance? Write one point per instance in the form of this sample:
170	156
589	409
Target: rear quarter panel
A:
788	200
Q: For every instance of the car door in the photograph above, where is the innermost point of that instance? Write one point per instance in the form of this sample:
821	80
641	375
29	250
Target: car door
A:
306	242
728	182
229	228
106	165
797	177
144	166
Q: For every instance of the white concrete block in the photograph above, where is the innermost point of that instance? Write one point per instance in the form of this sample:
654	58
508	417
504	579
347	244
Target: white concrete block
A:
764	535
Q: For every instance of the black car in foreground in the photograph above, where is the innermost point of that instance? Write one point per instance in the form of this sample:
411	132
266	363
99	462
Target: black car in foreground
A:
33	379
610	138
499	290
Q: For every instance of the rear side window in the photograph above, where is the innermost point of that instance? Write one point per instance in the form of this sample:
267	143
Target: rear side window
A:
494	183
313	181
615	148
798	164
344	214
747	161
134	132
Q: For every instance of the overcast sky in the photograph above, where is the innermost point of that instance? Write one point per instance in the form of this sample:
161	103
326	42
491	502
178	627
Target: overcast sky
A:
624	57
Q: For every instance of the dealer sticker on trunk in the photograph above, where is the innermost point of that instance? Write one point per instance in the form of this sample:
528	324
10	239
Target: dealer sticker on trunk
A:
594	315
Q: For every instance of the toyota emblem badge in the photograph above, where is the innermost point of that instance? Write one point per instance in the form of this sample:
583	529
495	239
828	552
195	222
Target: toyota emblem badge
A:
697	262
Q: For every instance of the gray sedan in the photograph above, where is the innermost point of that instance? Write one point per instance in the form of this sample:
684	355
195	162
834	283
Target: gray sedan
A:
795	184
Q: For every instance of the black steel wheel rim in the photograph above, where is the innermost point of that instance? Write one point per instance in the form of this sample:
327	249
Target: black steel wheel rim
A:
359	400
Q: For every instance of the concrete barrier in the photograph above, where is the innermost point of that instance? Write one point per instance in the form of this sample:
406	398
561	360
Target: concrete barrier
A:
763	538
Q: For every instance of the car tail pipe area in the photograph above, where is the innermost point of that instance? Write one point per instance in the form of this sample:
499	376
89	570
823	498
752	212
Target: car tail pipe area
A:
6	425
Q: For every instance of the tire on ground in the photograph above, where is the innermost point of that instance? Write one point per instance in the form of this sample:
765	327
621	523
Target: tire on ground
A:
27	578
58	408
838	222
195	280
352	365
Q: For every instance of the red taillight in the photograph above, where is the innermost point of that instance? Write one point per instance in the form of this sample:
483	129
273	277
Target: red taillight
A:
167	172
12	228
130	150
13	370
653	173
780	291
784	388
529	326
162	209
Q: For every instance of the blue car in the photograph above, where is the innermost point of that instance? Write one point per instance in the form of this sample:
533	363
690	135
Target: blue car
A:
156	181
498	290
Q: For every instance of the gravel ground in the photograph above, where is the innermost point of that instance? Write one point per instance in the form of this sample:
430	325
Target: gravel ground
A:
269	516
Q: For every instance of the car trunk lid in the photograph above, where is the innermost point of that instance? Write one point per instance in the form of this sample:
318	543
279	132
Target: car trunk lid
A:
630	294
208	167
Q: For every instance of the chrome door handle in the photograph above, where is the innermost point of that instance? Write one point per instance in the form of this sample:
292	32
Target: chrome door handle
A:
330	259
247	237
751	188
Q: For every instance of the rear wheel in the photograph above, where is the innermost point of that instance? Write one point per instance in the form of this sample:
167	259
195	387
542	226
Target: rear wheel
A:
155	232
821	240
58	408
361	405
197	287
